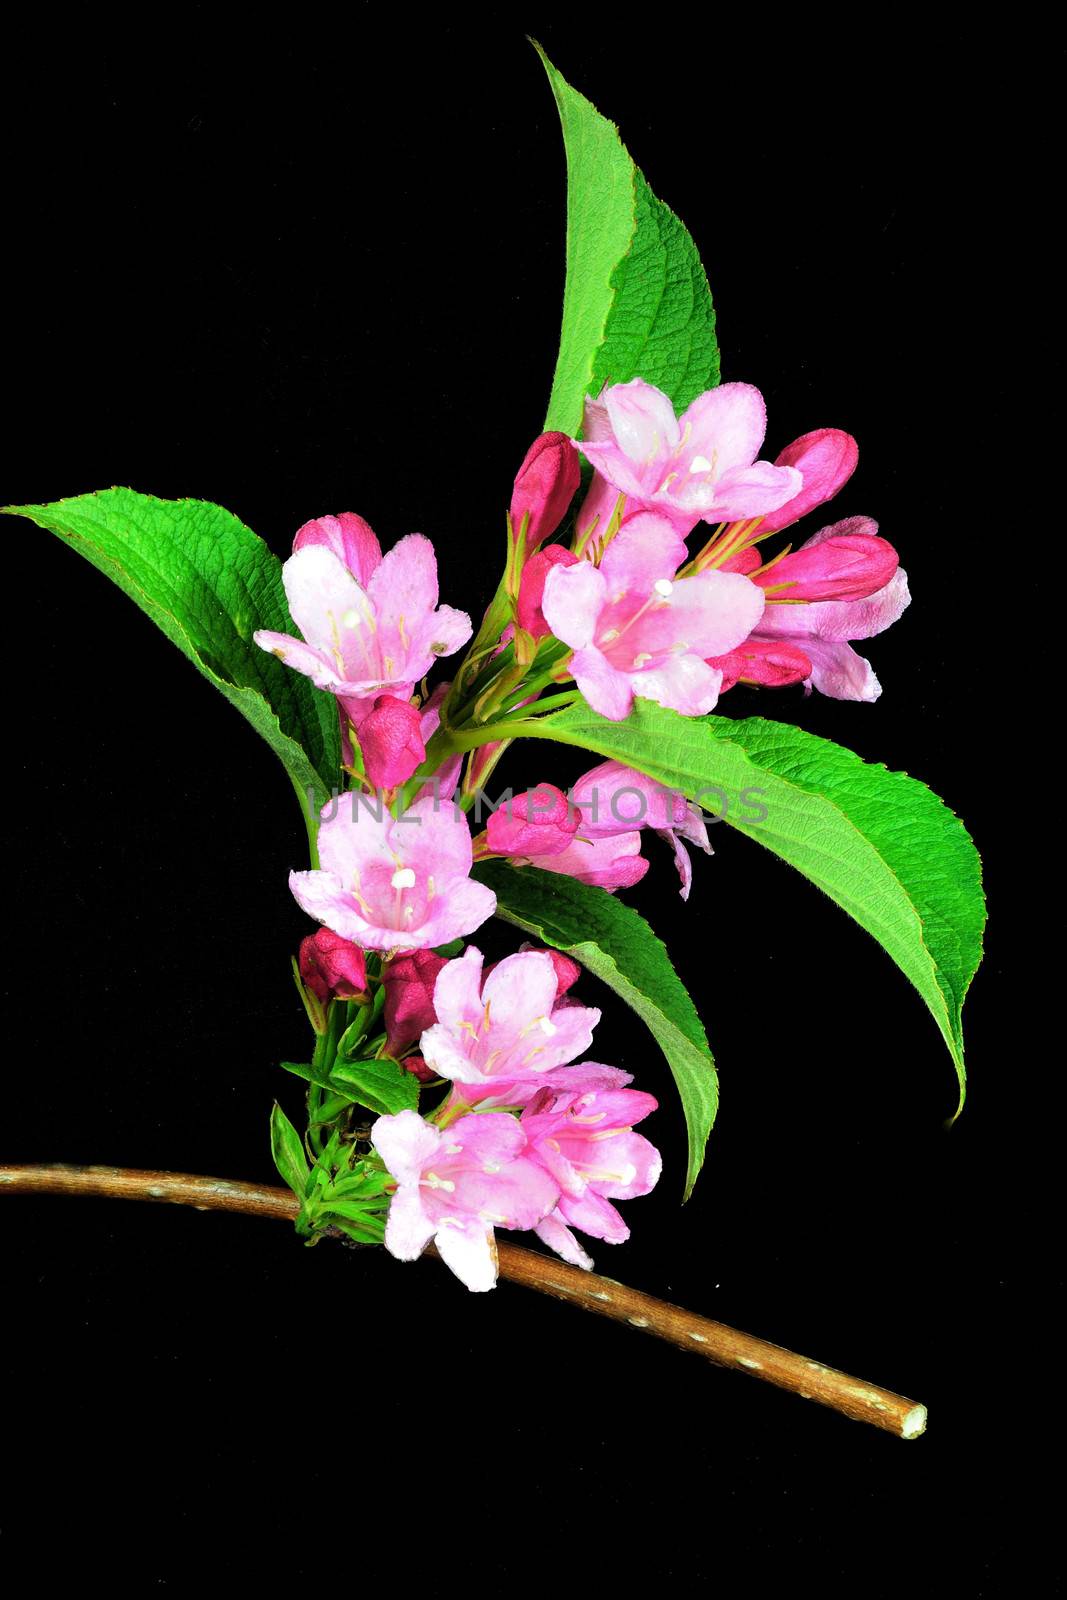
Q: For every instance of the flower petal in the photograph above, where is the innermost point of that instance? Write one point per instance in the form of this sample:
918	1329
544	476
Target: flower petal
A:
607	690
573	599
726	425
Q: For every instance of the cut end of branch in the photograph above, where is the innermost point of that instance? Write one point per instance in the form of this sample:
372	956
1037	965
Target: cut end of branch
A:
914	1423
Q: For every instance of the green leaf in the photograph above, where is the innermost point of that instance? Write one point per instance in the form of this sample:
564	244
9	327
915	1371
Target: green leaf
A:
288	1151
380	1085
208	582
618	946
661	326
881	844
636	300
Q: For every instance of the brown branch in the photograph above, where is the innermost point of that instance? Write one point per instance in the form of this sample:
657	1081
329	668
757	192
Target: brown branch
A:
724	1346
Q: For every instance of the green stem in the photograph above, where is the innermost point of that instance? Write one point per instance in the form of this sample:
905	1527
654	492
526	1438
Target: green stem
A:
311	823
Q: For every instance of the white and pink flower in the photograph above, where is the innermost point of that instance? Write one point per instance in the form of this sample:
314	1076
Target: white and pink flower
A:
371	624
637	630
455	1186
499	1036
394	883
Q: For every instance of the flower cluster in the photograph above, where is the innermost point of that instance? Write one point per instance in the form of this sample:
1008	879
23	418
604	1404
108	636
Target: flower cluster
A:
525	1139
663	591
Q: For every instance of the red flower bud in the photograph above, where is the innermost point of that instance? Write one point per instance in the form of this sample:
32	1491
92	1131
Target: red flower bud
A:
544	486
333	968
532	587
409	981
417	1066
390	738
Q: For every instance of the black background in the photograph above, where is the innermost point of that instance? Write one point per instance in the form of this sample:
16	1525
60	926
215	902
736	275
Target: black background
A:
304	272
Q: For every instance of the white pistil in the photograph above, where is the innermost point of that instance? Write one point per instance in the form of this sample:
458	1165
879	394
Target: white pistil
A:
641	660
432	1181
700	464
352	619
403	878
664	587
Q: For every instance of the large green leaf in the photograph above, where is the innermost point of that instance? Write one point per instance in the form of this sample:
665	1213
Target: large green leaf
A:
208	582
618	946
881	844
636	300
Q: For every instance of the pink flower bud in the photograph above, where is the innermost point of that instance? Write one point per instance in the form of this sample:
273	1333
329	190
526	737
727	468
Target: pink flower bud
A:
544	486
409	1010
333	968
773	663
418	1068
390	738
541	822
532	587
844	566
351	539
826	459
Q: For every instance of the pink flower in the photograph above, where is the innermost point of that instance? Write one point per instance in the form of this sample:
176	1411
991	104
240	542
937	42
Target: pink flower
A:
361	641
408	1010
528	612
593	834
585	1139
394	883
497	1038
856	590
635	630
544	487
390	737
455	1186
332	967
700	465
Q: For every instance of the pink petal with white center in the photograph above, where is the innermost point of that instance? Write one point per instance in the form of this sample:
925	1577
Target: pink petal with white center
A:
826	459
726	426
704	615
642	419
573	599
553	1231
683	683
351	538
607	690
646	550
328	606
470	1251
